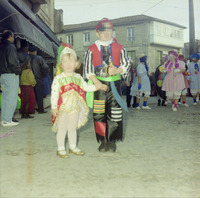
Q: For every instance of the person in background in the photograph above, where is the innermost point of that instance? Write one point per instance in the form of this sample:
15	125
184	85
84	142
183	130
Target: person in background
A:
184	91
159	77
174	81
194	77
141	84
40	71
9	72
27	82
128	82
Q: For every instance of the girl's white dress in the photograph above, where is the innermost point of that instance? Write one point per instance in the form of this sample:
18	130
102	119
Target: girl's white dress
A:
68	95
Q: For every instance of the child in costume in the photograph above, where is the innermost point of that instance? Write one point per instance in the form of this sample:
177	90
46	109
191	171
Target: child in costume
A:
174	81
141	84
159	77
194	78
185	74
27	82
105	62
69	109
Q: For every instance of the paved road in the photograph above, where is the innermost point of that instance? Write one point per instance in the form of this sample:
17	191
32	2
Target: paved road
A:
159	157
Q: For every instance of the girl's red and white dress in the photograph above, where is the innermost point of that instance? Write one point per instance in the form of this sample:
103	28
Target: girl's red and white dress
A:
68	95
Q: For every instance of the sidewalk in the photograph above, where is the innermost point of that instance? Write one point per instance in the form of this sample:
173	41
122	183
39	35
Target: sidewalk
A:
159	157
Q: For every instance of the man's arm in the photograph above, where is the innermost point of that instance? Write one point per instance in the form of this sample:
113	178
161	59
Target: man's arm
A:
13	60
44	67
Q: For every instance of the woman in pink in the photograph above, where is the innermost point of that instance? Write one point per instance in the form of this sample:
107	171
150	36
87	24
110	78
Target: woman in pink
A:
174	81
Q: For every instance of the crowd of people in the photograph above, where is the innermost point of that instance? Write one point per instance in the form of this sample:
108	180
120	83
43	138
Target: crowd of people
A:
174	79
20	71
106	65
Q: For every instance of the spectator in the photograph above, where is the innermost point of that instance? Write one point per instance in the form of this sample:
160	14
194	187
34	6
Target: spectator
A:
40	70
27	82
128	83
9	72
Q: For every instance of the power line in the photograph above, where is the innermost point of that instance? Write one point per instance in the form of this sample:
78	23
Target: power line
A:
153	6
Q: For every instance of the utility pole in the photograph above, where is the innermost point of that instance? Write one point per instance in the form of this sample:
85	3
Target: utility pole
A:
191	28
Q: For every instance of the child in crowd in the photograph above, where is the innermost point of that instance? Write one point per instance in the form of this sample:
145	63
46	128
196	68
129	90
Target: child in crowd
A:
141	84
27	82
69	109
159	77
194	78
174	81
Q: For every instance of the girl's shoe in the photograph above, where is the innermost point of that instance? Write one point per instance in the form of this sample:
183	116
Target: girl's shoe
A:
195	103
62	154
76	151
174	109
138	108
185	105
146	107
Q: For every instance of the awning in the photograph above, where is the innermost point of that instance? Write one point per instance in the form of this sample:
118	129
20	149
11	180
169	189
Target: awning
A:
12	20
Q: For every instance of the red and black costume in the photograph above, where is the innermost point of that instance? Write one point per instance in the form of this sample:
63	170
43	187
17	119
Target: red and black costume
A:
107	112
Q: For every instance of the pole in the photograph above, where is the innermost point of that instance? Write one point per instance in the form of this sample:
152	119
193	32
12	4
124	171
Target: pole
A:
192	45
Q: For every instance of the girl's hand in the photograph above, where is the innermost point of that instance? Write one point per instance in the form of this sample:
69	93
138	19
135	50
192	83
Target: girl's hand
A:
177	70
104	87
55	112
164	71
98	85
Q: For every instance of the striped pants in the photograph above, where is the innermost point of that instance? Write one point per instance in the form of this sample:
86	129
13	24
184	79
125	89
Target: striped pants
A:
107	115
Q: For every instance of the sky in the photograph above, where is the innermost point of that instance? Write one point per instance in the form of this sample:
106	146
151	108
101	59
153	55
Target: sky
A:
177	11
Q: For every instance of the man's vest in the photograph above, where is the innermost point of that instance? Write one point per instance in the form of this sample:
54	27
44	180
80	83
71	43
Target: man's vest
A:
115	50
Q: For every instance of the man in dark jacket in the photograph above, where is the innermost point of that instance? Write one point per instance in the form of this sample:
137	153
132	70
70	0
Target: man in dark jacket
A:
9	71
40	70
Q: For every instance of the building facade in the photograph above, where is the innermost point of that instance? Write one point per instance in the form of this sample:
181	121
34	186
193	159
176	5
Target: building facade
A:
139	34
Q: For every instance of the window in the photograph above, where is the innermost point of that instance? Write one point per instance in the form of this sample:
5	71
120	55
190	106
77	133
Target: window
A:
70	39
131	34
86	38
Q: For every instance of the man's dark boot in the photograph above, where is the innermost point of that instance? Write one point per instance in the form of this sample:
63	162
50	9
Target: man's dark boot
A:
111	146
163	103
102	147
159	101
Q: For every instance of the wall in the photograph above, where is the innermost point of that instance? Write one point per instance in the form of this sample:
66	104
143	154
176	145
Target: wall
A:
46	13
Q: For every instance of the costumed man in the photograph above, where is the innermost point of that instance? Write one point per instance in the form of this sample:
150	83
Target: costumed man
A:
105	62
159	77
184	92
194	78
141	84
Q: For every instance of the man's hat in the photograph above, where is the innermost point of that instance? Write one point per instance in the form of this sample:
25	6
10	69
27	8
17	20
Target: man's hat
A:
104	20
32	49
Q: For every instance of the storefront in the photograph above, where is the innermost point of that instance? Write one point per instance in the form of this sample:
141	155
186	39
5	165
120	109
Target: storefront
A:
22	21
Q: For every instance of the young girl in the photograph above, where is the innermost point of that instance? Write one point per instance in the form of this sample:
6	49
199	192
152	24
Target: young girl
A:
174	81
69	109
27	82
141	84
